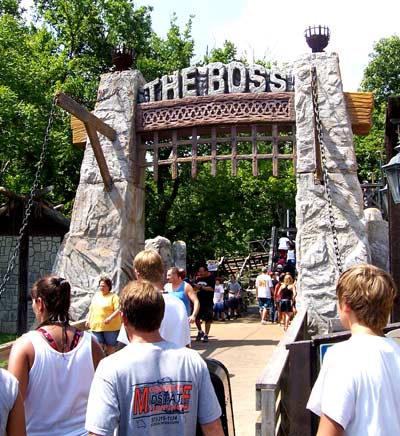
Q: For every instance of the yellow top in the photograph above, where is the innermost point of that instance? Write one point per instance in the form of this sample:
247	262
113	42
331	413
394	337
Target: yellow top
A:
102	307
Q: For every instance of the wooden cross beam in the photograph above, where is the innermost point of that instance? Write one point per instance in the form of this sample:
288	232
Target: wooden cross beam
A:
92	125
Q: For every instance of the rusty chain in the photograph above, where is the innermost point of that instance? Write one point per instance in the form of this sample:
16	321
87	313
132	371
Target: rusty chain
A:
28	208
320	134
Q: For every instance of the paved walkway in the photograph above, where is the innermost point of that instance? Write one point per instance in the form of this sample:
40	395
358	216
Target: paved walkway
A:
244	347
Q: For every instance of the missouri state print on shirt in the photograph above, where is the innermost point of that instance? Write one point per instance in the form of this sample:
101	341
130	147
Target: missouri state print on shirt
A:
160	402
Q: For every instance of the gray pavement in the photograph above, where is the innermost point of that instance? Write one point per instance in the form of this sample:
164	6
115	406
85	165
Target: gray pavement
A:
244	347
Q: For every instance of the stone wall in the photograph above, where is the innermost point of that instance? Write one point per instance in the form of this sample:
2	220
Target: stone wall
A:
316	260
42	253
107	228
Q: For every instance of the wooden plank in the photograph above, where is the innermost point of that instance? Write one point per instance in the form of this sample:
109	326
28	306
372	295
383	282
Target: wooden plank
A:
275	151
254	150
155	156
360	106
5	349
79	135
174	163
243	96
213	151
234	150
268	399
193	158
273	371
71	106
23	270
99	155
299	385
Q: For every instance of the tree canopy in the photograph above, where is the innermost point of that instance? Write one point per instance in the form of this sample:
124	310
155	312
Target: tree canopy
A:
382	77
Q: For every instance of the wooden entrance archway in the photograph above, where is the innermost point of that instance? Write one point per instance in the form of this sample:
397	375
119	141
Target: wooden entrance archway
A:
213	129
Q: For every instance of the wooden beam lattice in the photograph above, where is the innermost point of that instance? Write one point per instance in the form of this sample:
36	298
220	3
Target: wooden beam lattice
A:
213	145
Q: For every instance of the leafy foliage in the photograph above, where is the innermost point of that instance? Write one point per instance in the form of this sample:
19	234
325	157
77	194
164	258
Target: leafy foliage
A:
382	77
67	47
382	74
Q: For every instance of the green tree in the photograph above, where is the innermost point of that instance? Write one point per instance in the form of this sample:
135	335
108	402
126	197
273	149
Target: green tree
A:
382	77
382	74
225	54
10	7
67	47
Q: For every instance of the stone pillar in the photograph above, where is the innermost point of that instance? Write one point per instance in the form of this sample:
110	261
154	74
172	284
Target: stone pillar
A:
179	254
316	260
163	247
107	228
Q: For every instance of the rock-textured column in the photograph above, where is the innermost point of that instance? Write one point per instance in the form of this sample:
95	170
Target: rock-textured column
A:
316	258
107	228
163	247
179	254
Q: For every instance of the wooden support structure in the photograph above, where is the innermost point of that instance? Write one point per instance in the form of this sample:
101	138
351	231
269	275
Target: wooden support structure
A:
393	112
92	125
23	257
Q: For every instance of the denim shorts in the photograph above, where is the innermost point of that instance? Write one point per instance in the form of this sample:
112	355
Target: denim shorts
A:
108	338
264	303
219	307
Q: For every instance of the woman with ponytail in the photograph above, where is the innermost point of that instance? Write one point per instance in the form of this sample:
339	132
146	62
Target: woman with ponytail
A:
54	364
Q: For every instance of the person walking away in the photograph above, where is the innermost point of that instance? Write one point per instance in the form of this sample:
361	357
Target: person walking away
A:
233	289
174	328
218	300
278	296
204	284
287	295
103	318
54	364
264	289
151	387
182	290
357	390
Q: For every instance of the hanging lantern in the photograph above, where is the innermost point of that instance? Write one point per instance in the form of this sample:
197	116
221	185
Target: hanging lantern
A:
392	169
392	173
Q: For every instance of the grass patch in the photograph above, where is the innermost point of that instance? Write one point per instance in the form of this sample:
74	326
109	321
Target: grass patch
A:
7	337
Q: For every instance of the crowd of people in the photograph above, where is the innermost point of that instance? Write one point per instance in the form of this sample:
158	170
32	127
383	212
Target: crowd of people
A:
60	381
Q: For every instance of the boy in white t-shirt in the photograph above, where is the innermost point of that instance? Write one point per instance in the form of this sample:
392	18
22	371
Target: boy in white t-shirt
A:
357	390
218	300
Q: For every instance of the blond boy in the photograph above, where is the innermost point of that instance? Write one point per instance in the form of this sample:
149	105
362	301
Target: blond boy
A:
357	390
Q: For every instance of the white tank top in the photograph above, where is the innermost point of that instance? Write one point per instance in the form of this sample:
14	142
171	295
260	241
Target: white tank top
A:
58	388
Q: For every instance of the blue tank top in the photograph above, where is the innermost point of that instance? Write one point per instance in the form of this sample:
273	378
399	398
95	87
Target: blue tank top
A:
180	293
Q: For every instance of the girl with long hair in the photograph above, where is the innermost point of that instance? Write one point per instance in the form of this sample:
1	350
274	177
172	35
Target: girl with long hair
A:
54	364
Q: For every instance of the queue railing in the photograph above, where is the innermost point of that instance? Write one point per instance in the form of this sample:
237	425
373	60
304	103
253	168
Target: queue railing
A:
272	398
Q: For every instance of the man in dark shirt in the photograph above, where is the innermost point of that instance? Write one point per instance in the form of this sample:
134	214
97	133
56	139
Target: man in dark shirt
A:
204	284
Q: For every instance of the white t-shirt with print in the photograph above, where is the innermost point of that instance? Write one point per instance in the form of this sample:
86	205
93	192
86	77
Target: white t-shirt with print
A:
358	386
264	285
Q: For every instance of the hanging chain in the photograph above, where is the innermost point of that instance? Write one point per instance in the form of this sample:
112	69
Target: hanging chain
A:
320	134
28	208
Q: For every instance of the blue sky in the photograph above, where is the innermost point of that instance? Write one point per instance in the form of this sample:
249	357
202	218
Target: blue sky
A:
273	29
